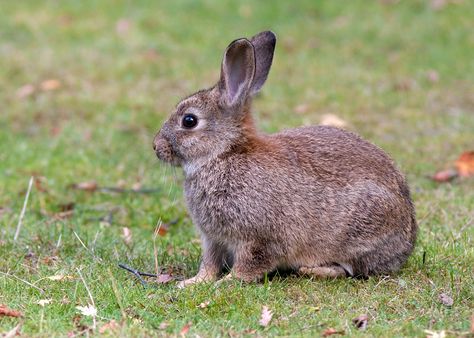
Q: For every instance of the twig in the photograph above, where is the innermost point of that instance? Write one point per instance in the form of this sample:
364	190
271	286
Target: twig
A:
22	280
85	247
23	210
138	274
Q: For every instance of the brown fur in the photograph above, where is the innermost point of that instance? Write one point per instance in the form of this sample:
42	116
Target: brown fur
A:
320	200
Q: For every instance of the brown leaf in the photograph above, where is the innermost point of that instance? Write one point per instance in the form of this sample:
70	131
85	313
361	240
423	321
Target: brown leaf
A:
5	311
111	326
162	229
331	331
445	175
266	316
465	164
164	278
25	91
446	300
63	207
185	329
361	321
86	186
50	84
127	235
204	305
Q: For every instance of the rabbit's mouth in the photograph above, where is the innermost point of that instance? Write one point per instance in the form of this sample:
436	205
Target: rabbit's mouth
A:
164	151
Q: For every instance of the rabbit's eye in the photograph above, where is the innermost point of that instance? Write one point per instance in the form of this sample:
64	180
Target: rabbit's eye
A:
190	121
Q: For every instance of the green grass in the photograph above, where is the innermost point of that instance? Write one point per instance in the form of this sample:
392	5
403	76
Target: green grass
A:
366	62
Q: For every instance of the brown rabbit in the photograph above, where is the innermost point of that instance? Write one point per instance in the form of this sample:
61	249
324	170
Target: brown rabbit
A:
319	200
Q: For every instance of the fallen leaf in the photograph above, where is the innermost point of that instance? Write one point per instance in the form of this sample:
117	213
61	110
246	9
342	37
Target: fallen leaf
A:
88	310
445	175
43	302
204	305
50	84
127	235
110	326
361	321
66	206
465	164
137	186
446	300
25	91
185	329
60	277
5	311
266	316
332	120
162	229
86	186
331	331
13	332
40	183
164	278
435	334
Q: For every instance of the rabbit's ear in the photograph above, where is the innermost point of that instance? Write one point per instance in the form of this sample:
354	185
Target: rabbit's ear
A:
237	72
264	45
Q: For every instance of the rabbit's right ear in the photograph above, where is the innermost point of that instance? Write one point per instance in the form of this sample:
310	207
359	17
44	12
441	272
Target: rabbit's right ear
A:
237	72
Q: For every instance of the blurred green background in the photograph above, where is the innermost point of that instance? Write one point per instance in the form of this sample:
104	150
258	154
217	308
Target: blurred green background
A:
85	85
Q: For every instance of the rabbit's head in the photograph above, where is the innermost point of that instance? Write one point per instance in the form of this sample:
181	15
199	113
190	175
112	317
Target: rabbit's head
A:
213	121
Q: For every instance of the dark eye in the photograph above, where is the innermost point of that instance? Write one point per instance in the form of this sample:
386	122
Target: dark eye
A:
190	121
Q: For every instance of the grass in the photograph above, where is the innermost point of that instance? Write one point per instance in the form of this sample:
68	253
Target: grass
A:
401	73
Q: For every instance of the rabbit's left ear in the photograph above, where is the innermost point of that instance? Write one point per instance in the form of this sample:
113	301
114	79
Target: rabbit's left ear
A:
237	72
264	46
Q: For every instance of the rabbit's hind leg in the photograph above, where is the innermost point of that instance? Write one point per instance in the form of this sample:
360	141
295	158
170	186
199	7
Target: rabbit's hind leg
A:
327	271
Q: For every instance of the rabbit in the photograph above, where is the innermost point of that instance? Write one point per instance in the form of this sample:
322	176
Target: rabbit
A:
318	200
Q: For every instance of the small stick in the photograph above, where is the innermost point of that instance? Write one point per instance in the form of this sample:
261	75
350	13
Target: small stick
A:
137	273
22	280
23	210
90	296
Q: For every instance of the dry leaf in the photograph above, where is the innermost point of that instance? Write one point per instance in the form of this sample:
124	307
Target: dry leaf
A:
162	229
88	310
445	175
86	186
50	84
127	235
60	277
361	321
43	302
331	331
204	305
185	329
13	332
25	91
164	278
465	164
332	120
110	326
446	300
266	316
5	311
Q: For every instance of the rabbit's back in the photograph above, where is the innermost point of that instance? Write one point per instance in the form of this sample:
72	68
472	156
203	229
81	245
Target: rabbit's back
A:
309	193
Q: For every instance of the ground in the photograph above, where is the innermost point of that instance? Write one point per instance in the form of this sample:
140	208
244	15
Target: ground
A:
84	87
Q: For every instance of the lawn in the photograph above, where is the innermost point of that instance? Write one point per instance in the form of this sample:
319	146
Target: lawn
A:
84	87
